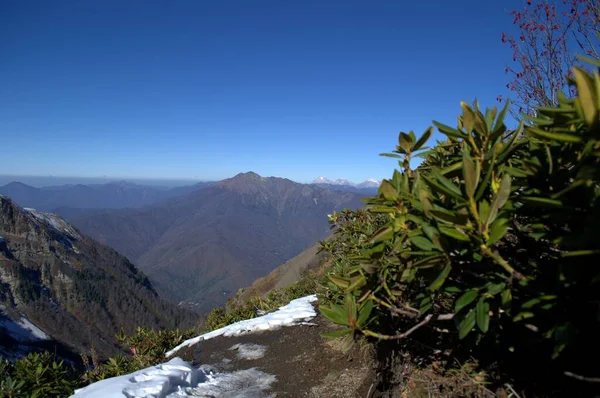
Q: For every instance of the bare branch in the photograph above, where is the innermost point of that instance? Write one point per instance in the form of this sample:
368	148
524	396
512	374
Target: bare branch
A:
425	321
583	378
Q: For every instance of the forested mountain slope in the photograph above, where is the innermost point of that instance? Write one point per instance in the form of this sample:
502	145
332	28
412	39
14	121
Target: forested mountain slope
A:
76	290
202	247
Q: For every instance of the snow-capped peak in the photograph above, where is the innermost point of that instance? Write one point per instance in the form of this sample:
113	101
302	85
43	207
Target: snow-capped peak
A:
370	183
325	180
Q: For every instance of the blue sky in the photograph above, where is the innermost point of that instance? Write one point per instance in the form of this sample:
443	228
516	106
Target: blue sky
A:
207	89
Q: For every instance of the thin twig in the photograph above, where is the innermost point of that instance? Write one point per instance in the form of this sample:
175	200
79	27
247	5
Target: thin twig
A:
583	378
406	311
370	389
512	390
425	321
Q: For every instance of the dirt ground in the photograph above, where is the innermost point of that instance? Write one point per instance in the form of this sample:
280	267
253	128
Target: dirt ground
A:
304	363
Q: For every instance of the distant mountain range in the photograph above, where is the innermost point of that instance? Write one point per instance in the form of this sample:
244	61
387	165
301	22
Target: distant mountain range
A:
198	244
66	199
56	284
202	247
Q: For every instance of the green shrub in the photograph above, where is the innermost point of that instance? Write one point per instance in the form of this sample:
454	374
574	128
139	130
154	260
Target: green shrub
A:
147	347
221	317
496	231
36	375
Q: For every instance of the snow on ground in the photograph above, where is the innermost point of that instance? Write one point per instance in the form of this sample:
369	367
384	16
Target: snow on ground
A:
22	330
158	381
296	311
249	351
247	383
54	221
177	378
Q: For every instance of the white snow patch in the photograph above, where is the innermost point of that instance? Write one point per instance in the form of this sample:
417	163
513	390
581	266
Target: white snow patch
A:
178	379
247	383
23	330
249	351
299	310
157	381
53	221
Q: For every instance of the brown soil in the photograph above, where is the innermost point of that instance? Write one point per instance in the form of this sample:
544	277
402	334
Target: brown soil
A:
305	364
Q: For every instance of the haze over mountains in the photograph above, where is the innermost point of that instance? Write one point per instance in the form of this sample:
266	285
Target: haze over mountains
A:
113	195
202	247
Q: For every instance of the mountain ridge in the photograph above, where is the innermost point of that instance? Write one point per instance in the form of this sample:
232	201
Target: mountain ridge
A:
204	246
115	194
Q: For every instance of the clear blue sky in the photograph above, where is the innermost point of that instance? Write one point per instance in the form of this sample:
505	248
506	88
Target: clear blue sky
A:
207	89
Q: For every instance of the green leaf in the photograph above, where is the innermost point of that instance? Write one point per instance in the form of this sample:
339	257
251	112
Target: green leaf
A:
449	217
338	281
425	305
466	325
335	314
486	178
405	141
428	261
470	175
387	190
392	155
364	313
449	131
468	117
560	137
483	315
574	253
496	288
587	95
451	168
351	312
337	333
385	233
499	127
356	283
454	233
506	299
588	60
448	184
542	202
465	300
499	199
396	178
441	278
483	209
423	139
437	186
523	315
498	230
422	242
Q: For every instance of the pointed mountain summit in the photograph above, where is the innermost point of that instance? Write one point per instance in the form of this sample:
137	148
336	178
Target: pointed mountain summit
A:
202	247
